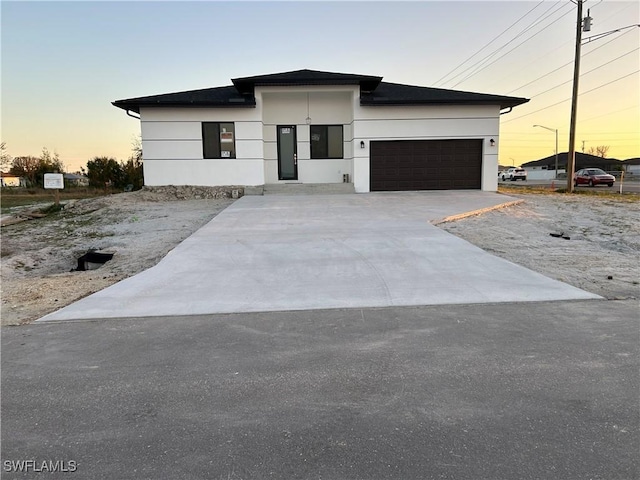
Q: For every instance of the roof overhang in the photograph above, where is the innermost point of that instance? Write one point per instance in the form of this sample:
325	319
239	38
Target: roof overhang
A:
246	85
373	92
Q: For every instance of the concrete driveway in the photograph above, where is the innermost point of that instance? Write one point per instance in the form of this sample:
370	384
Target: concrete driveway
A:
275	253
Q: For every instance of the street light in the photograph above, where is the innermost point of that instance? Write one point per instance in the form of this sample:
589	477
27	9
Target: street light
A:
552	130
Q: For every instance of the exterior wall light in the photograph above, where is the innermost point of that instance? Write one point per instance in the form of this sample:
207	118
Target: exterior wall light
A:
492	142
362	144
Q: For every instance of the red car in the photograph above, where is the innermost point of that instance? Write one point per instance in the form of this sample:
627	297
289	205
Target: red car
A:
593	177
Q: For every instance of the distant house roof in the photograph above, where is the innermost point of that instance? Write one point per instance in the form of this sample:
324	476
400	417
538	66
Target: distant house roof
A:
632	161
372	92
74	176
8	175
583	160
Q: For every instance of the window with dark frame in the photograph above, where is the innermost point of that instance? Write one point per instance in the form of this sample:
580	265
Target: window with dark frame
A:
327	141
218	140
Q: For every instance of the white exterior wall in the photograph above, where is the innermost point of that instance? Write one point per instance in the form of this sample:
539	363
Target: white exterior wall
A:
372	123
329	105
172	137
633	169
13	182
536	173
172	147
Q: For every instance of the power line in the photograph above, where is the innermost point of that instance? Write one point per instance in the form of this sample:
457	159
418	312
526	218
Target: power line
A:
585	73
567	99
541	76
612	81
617	12
494	39
568	63
588	40
586	46
610	113
542	133
520	44
479	69
535	23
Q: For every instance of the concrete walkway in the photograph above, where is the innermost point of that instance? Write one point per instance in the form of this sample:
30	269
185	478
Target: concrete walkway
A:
271	253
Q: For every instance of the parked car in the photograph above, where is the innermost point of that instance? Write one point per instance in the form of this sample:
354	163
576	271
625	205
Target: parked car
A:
513	174
593	177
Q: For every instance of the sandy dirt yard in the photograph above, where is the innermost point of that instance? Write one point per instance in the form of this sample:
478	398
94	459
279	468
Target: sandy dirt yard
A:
601	255
140	227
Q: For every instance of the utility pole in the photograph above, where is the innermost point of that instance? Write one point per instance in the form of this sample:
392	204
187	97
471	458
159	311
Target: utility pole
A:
571	156
583	142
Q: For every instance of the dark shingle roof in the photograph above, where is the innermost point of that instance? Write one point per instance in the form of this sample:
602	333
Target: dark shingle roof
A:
306	77
207	97
398	94
372	92
583	160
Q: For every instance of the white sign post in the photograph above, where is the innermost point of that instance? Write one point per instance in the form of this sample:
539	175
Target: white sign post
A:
54	181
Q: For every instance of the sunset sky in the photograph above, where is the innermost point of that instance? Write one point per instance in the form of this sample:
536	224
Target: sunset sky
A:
63	63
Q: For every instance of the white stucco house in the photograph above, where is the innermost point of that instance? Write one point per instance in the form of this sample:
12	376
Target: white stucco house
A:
309	126
11	180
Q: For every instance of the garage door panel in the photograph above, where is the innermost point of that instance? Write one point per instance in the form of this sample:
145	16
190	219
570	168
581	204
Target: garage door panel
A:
426	165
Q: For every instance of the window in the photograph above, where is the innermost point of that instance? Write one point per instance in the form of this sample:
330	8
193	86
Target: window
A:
326	141
218	140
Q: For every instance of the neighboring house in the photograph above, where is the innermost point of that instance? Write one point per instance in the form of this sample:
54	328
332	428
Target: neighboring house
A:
75	180
308	126
632	166
10	180
583	160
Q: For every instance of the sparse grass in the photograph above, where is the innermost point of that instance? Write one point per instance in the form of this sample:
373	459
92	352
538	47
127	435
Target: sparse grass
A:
596	192
53	208
526	189
18	197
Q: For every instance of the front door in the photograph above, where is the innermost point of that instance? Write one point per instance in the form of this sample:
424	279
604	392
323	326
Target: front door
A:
287	153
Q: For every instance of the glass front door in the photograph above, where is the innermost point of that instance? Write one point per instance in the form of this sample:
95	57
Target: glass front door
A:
287	154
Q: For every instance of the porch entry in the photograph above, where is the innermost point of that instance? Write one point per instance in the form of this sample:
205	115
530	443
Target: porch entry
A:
287	153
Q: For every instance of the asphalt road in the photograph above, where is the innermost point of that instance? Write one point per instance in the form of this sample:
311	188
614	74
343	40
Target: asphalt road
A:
492	391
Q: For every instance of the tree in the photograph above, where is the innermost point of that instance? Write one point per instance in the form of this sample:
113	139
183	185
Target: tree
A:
132	173
34	168
104	172
51	163
48	164
136	149
599	151
132	168
5	158
26	167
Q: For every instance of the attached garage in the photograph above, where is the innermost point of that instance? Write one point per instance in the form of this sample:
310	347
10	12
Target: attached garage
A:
381	136
426	165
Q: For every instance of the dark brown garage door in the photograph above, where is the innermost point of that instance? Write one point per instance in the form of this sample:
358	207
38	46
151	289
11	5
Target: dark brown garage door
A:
426	165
